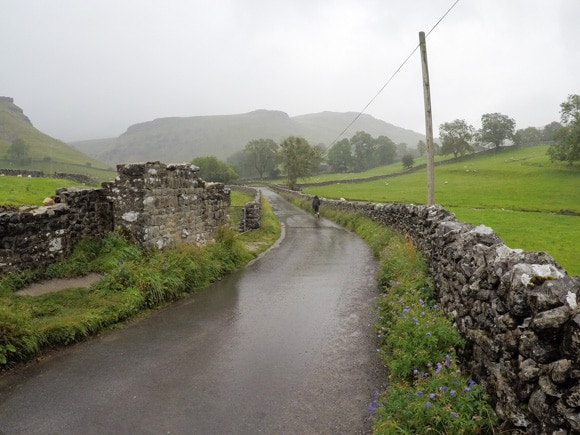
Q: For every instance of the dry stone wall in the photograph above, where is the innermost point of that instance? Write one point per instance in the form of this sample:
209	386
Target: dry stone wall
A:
34	237
518	311
158	204
154	204
252	211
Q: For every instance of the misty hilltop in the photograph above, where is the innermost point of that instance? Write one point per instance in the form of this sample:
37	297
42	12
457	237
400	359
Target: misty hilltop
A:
41	151
184	138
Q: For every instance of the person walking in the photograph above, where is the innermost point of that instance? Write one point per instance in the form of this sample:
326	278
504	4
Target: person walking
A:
316	206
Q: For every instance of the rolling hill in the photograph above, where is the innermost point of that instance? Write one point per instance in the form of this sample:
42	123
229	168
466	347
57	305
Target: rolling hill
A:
186	138
44	152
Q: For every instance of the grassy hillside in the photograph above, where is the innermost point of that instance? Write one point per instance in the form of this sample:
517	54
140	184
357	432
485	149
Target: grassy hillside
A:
45	153
325	126
186	138
517	192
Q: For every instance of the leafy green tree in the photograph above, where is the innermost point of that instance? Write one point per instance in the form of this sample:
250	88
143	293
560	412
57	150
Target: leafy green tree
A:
340	157
364	150
421	148
528	136
18	150
401	149
212	169
297	158
496	128
455	137
261	155
238	162
385	151
436	149
549	131
567	146
408	161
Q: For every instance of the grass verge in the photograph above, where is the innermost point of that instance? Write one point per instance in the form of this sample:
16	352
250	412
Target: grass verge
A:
134	283
427	392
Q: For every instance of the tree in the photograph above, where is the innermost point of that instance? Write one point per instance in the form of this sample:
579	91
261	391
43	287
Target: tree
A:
436	149
408	161
297	158
385	151
550	130
528	136
364	150
401	149
340	157
238	162
455	137
212	169
567	146
496	128
421	148
18	150
261	155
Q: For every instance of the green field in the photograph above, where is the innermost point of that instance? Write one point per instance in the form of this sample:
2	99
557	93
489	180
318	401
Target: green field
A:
17	191
517	192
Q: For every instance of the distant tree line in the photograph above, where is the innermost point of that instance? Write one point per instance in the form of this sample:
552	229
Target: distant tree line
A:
459	138
295	157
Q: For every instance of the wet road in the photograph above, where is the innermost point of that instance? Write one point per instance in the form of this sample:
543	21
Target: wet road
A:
281	347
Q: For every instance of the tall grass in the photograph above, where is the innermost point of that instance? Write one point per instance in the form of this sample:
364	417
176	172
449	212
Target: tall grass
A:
133	280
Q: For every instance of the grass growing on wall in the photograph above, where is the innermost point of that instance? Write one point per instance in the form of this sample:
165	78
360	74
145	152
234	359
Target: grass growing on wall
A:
427	392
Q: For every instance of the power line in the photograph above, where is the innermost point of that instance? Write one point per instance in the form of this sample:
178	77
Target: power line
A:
393	75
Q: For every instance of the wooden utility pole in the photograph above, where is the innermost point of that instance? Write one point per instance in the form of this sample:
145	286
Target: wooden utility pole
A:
428	122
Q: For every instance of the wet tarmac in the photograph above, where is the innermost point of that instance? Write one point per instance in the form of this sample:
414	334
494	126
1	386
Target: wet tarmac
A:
283	346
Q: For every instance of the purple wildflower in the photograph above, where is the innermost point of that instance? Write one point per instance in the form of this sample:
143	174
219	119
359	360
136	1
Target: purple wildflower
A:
447	360
373	407
432	396
467	389
454	414
428	405
428	334
419	393
452	392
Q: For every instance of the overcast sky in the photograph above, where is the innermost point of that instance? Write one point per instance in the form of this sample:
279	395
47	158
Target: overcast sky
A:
89	69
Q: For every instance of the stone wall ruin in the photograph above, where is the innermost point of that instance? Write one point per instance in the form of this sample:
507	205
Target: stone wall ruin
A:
153	204
157	205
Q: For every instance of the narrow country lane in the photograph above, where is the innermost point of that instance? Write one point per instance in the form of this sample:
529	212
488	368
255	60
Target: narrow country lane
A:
283	346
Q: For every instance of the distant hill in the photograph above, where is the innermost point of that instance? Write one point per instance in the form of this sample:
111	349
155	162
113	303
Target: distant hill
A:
44	152
182	139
